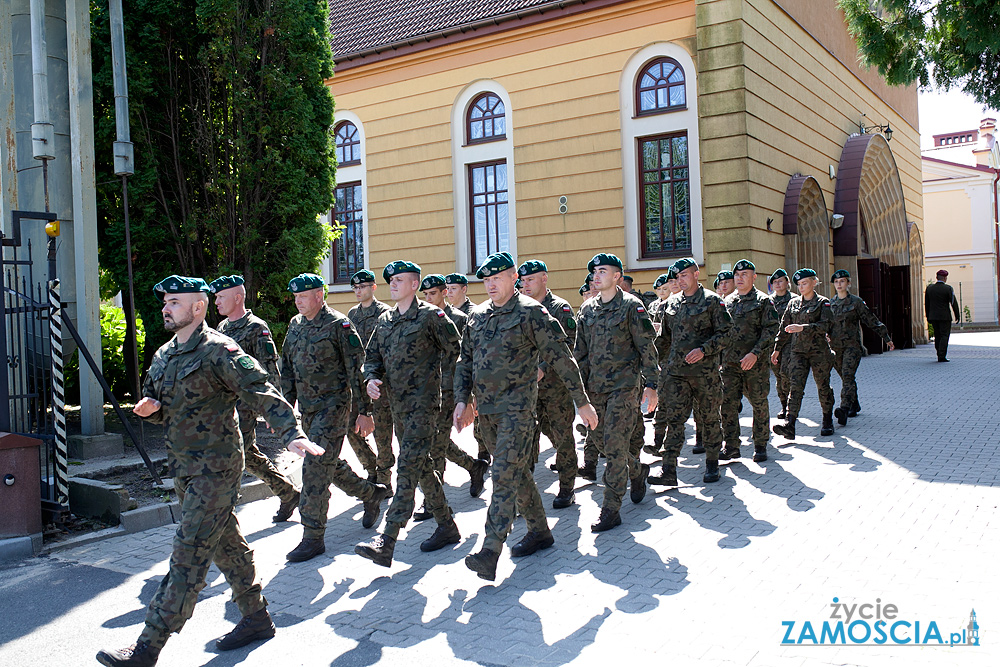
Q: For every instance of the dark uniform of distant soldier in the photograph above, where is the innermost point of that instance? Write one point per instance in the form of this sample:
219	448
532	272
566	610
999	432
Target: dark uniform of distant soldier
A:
193	386
695	329
780	369
505	339
938	297
810	317
755	324
849	313
321	368
661	287
458	287
616	354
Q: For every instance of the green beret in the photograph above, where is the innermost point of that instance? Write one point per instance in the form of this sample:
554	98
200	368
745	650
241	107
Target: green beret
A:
841	273
399	266
531	267
716	284
432	281
455	279
661	280
744	265
671	273
683	263
361	277
518	284
604	259
628	278
726	275
180	285
495	263
779	273
584	289
304	282
225	282
802	273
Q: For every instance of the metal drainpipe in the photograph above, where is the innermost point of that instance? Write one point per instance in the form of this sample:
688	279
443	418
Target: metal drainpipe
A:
42	135
996	234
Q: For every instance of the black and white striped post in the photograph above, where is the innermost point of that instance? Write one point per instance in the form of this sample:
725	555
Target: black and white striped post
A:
58	396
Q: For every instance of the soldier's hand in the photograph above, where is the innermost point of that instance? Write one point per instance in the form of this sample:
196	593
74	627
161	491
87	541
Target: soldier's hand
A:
541	374
463	416
301	447
589	415
694	356
650	399
146	406
373	389
794	328
892	346
775	356
747	362
364	425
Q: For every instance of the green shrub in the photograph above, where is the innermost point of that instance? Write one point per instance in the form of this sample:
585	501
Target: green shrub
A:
112	355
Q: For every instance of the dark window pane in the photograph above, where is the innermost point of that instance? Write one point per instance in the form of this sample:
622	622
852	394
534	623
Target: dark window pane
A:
485	120
660	87
665	221
489	214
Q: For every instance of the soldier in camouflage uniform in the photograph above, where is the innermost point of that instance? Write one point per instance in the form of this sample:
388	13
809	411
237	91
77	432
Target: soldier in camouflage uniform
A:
615	351
321	368
725	283
193	386
254	336
804	327
781	297
458	288
364	316
554	408
695	329
745	362
849	313
662	289
407	350
504	341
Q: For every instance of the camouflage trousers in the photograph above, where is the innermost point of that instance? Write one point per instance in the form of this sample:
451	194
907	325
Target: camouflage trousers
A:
378	467
258	464
444	447
660	417
799	364
208	532
846	360
326	428
508	437
556	413
755	384
702	394
616	415
781	382
418	447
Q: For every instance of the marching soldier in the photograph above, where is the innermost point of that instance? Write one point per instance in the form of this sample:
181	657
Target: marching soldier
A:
321	368
254	336
505	339
849	313
804	327
781	298
745	366
725	283
457	286
193	387
662	289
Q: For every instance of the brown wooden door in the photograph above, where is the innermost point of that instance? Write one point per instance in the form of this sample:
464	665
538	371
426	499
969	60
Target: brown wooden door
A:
902	310
870	288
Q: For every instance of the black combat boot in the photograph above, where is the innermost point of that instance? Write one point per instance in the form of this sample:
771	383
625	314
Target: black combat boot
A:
711	471
668	473
307	548
784	411
638	484
477	477
423	513
656	449
855	409
787	429
827	428
139	654
730	452
286	508
698	448
588	471
373	506
444	534
565	498
378	551
759	453
842	416
484	563
608	520
254	627
531	543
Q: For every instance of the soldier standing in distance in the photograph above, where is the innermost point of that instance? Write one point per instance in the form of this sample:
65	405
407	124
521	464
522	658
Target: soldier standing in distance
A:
505	339
193	386
725	283
615	351
804	326
364	316
696	328
849	313
254	336
745	364
781	297
554	407
938	297
410	345
321	368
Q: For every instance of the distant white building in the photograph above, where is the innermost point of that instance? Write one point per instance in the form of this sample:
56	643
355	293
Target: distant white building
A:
960	179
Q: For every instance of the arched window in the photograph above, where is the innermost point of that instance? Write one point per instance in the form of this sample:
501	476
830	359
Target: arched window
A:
348	144
660	87
487	120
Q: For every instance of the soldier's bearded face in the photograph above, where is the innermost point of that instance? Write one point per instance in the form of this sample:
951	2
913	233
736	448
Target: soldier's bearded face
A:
435	296
178	312
534	285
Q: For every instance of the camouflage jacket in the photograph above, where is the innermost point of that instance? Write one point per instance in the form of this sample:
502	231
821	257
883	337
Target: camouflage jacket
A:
781	303
364	318
321	363
407	351
656	310
500	356
614	345
817	318
198	384
254	336
691	322
467	306
848	316
460	319
563	312
755	324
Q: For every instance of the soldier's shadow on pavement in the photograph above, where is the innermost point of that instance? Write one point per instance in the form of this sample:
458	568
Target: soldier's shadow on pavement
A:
776	481
136	615
837	449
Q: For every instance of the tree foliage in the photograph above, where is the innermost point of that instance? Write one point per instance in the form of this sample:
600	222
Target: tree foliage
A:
952	43
234	156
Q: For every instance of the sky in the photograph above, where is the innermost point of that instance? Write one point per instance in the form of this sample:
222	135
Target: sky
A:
953	111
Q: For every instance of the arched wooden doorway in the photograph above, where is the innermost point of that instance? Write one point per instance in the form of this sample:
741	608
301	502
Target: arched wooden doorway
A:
806	227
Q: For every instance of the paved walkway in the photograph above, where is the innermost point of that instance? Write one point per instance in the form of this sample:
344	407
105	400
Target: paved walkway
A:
898	508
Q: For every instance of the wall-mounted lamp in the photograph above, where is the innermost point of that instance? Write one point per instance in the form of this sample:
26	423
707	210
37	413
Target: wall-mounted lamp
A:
836	221
884	130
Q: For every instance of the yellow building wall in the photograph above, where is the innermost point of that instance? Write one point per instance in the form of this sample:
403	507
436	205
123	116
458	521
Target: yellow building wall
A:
948	205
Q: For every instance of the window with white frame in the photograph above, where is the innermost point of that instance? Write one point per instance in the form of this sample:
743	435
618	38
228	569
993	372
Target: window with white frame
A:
349	253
